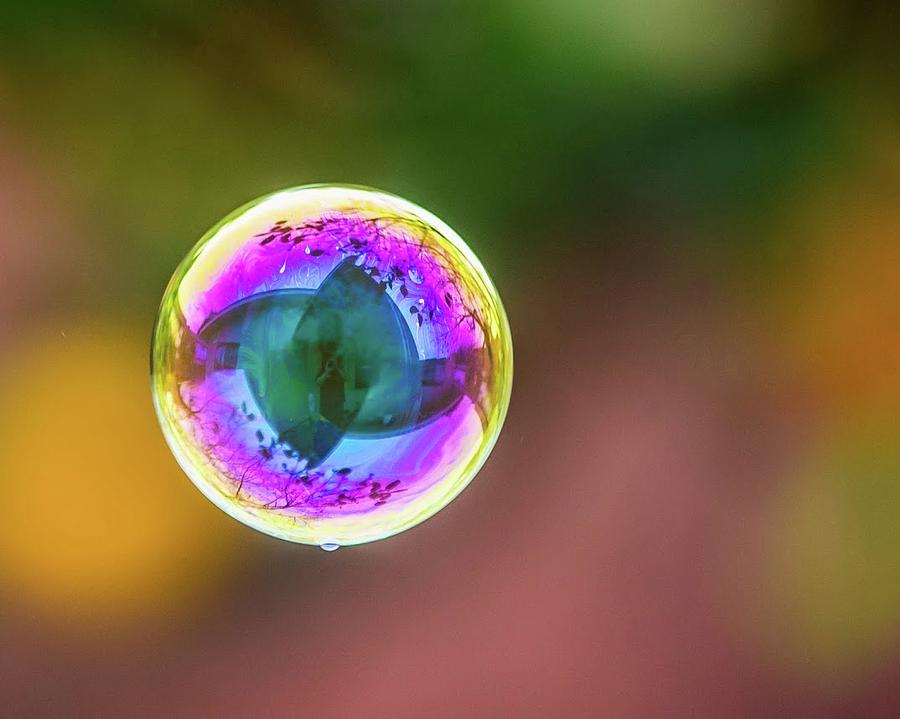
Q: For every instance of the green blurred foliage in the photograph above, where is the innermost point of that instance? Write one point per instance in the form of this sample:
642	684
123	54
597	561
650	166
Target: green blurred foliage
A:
524	124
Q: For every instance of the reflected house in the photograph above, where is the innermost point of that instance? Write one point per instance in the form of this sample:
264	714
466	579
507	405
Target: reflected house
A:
334	362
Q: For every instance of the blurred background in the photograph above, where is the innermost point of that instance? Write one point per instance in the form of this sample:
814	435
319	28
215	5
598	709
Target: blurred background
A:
692	211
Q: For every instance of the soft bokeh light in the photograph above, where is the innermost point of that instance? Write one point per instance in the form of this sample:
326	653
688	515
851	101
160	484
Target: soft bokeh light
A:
833	553
693	46
97	524
843	306
690	210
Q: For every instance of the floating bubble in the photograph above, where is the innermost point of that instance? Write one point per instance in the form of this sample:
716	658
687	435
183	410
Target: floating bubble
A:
331	365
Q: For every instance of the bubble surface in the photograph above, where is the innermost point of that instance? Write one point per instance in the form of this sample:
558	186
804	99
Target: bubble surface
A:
331	365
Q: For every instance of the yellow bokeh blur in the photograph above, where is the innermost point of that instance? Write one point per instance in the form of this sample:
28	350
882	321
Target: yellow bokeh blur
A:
97	522
833	560
832	565
842	339
684	45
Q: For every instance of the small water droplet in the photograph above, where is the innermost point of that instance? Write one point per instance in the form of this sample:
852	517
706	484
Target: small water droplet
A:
330	546
282	268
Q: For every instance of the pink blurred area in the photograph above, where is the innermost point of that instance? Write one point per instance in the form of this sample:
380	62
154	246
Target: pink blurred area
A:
605	563
36	241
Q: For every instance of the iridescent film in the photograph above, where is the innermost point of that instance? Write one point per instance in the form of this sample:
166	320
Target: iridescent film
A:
331	365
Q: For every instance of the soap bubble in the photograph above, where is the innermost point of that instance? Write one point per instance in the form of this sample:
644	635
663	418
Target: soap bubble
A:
331	365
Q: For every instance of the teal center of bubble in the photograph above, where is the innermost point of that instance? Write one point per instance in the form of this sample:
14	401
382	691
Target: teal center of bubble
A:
327	363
